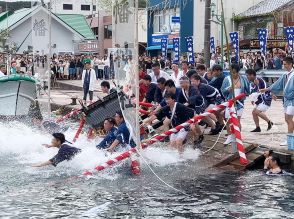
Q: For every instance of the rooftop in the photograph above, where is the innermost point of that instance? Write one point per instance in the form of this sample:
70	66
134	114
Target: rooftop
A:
76	22
265	7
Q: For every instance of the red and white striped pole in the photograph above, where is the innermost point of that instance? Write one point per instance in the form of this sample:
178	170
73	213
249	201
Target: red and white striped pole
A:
167	133
82	124
235	128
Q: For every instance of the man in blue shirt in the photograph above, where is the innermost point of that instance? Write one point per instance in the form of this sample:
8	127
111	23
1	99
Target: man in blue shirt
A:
111	130
65	151
122	137
160	90
262	102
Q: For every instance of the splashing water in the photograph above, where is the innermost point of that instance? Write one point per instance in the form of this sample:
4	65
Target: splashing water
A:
27	192
24	144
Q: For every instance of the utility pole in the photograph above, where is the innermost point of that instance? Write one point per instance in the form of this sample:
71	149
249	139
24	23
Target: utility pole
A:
207	32
136	69
49	57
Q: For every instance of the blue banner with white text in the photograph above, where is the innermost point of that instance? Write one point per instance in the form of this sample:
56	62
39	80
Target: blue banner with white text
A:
235	43
262	37
212	45
176	45
289	31
190	49
164	48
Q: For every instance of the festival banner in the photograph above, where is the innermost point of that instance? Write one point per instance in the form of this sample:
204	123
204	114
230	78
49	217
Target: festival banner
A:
164	48
289	31
212	45
176	44
190	53
262	37
235	42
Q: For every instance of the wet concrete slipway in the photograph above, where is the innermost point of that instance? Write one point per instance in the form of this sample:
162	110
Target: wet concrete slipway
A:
199	189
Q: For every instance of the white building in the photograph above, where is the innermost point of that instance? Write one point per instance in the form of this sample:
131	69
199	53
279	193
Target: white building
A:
29	29
231	8
84	7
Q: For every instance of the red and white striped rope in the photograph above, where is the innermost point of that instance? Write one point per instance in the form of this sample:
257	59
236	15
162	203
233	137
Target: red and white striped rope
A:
167	133
112	161
69	115
146	104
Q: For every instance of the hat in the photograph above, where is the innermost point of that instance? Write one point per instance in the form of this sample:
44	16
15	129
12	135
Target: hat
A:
87	61
59	136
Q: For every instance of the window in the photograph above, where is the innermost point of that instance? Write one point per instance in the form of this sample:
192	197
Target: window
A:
162	20
95	31
108	31
85	7
94	7
67	6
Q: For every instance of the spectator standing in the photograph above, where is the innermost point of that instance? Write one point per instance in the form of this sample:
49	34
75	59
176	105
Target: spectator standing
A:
88	80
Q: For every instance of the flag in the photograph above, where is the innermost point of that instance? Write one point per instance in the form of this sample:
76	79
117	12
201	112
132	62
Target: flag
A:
176	45
190	53
164	48
290	36
212	45
235	43
262	37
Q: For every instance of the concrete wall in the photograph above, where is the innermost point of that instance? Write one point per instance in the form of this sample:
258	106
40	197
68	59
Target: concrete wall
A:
230	6
61	36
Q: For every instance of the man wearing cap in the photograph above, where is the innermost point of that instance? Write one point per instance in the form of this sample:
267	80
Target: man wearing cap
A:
65	151
88	80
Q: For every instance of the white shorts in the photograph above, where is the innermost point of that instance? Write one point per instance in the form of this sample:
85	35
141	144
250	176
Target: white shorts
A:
289	110
262	107
239	112
182	134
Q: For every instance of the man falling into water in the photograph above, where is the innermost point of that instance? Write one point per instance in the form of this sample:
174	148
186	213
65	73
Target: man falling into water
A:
65	151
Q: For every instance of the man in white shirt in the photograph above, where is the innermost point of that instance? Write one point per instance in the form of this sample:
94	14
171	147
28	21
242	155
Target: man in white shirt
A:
177	74
88	80
3	70
157	73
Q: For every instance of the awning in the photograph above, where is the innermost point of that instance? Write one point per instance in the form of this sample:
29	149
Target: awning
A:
159	47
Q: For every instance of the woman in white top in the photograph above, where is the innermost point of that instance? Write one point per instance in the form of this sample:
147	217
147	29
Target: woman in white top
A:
66	66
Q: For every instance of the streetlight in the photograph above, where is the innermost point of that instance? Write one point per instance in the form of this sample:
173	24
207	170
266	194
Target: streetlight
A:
220	21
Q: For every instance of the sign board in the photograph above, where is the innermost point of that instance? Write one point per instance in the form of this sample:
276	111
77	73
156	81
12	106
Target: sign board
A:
271	43
176	19
89	46
156	39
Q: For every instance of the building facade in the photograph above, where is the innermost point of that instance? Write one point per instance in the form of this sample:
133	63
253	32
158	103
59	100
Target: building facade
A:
231	9
171	20
271	14
29	30
84	7
102	25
